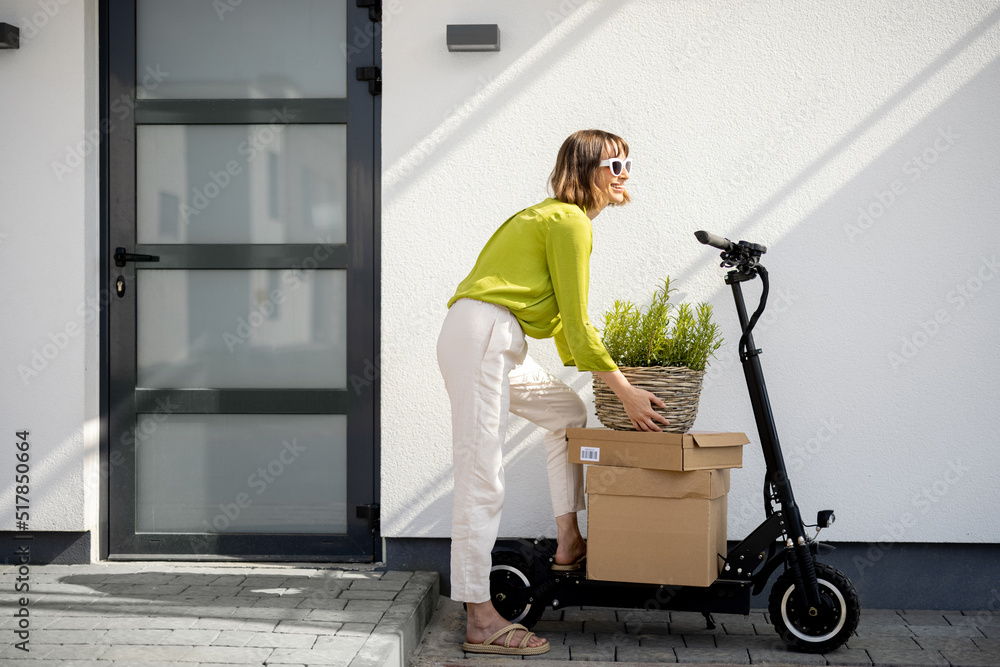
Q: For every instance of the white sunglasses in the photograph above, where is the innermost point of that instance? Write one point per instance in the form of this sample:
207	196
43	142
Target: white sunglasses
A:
617	165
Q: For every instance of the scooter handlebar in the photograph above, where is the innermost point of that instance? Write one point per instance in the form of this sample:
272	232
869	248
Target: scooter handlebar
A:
714	240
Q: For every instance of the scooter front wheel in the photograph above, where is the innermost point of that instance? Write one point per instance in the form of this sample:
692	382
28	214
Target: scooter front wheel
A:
512	590
834	621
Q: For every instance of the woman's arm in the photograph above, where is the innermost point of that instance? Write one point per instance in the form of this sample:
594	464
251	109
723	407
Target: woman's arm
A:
635	401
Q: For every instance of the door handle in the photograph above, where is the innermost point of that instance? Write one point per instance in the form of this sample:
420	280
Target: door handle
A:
121	257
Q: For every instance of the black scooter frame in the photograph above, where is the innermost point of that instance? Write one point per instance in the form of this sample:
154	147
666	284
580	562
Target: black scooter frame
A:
779	539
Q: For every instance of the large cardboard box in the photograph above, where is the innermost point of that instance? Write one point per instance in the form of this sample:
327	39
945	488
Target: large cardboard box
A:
656	451
656	526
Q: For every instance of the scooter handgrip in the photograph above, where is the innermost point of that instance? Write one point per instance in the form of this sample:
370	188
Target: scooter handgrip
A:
713	240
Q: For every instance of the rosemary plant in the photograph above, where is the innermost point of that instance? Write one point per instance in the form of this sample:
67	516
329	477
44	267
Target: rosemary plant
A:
660	334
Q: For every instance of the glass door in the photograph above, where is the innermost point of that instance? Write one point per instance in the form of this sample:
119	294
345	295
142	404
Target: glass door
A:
241	271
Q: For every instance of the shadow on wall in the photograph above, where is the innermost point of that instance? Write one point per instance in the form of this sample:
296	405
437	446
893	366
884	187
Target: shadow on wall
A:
473	107
863	180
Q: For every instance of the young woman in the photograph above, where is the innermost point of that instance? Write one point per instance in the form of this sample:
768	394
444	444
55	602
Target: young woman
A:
531	279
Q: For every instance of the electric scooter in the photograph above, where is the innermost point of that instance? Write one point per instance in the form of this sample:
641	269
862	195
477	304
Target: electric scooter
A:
814	607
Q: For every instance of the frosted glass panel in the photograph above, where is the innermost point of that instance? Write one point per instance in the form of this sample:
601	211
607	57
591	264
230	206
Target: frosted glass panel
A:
250	49
227	329
241	183
241	474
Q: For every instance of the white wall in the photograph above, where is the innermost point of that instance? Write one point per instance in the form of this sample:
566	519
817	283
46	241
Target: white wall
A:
768	121
48	254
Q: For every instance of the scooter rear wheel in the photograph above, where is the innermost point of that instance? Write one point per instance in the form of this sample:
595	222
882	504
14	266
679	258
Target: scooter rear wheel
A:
835	621
512	589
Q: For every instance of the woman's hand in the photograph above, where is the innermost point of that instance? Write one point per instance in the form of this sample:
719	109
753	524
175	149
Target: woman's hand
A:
635	401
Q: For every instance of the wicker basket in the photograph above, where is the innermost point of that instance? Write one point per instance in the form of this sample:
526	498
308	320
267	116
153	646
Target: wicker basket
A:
679	388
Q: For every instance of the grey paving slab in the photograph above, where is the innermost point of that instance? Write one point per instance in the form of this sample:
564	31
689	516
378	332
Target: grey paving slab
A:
189	638
8	652
356	629
162	613
228	655
987	645
364	594
729	656
147	622
947	643
945	631
256	624
578	614
699	641
235	638
884	643
445	652
647	628
311	626
887	630
969	618
769	640
854	657
557	626
895	658
765	656
661	641
75	652
557	652
739	627
344	616
280	640
924	618
325	654
276	613
579	639
592	652
604	626
367	605
643	616
70	623
123	637
323	603
646	654
377	585
616	639
687	626
48	636
136	653
972	658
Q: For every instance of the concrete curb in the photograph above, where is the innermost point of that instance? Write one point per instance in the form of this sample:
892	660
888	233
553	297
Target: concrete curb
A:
396	637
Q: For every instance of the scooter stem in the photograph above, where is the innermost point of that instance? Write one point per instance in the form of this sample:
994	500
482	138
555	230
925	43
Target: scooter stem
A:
777	474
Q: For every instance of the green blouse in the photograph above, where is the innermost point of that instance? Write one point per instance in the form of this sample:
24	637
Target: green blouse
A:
537	265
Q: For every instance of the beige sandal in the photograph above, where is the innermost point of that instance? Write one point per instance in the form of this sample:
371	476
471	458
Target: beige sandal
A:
489	647
569	567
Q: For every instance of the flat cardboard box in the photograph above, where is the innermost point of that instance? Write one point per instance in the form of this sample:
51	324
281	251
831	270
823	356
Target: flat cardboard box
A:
656	526
657	451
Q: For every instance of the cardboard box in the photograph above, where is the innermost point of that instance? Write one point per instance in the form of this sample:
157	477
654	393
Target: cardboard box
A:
656	526
656	451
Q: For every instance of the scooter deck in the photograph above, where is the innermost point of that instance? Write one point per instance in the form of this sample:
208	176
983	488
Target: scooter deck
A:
723	597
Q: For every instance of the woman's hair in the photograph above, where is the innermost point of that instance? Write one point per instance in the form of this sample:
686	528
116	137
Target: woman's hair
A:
573	179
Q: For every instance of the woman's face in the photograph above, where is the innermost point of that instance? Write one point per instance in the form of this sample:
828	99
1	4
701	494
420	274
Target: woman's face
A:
612	186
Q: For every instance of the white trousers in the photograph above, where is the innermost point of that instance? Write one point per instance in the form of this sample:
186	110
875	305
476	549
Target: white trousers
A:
483	358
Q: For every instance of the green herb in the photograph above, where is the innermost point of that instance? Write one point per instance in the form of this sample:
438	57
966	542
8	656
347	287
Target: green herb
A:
660	334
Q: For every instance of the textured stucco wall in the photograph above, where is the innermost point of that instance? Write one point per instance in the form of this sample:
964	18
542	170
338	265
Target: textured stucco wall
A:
48	251
858	141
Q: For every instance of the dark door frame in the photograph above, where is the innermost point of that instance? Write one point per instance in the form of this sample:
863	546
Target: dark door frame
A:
360	257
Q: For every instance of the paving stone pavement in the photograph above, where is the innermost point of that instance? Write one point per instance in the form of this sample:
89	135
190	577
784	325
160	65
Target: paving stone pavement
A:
188	614
885	637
